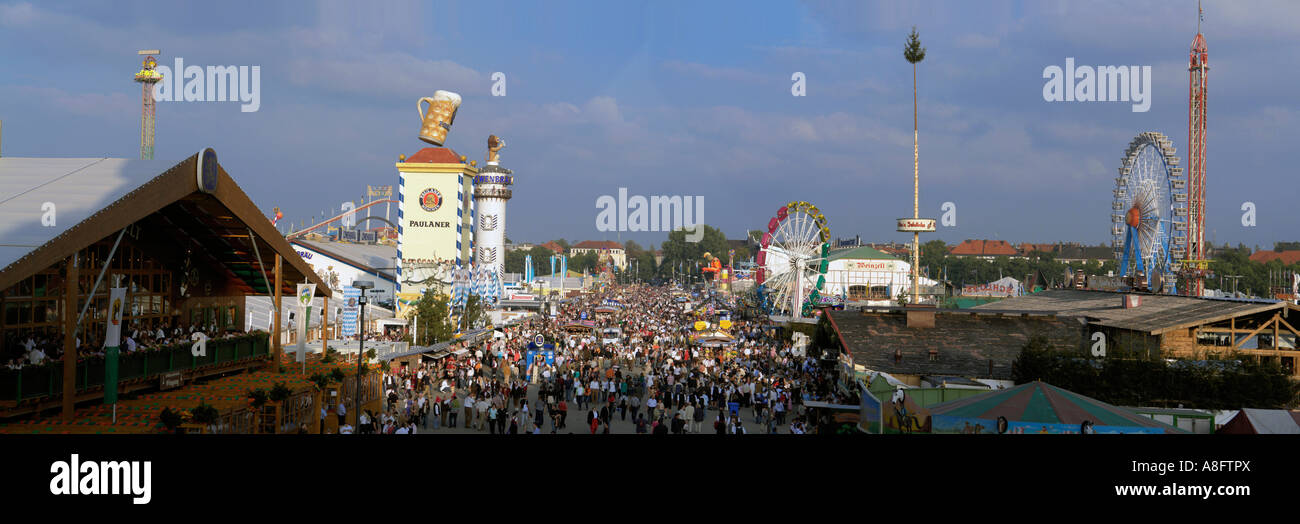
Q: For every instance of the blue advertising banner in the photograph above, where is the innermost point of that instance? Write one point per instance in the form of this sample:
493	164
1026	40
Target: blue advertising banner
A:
351	309
531	356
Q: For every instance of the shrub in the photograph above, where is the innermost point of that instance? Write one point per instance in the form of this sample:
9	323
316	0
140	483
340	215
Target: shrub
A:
205	414
170	419
1203	384
259	396
280	392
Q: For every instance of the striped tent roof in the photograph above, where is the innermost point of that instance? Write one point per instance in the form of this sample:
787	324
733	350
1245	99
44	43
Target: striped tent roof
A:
1041	402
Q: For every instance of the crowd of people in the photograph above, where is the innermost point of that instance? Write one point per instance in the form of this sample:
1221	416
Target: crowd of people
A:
38	349
653	377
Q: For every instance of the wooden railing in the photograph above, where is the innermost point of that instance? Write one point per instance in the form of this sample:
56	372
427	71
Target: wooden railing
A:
34	382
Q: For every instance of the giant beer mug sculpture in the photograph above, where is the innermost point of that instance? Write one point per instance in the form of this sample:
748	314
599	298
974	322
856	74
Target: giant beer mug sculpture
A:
437	120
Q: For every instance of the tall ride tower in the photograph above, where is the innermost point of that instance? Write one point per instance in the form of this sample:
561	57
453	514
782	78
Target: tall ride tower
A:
147	77
1195	265
491	192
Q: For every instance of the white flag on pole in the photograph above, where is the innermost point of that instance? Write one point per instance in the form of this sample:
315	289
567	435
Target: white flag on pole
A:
116	304
305	294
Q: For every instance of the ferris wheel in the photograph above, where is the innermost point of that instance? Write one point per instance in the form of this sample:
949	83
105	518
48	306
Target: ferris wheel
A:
792	260
1149	219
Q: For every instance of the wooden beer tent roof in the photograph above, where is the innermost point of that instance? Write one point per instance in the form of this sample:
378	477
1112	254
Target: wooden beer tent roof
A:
95	198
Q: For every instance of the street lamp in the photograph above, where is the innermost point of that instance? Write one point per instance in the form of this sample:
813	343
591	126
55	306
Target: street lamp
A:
363	285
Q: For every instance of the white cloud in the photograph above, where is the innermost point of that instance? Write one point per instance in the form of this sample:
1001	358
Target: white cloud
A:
17	15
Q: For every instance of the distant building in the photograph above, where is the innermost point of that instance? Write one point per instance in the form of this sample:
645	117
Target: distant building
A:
1080	254
341	263
985	249
1287	257
1172	326
1027	249
553	247
522	247
902	251
607	250
870	276
970	344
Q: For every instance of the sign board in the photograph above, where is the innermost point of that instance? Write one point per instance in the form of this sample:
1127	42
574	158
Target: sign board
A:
868	265
539	340
534	356
1006	287
432	209
379	191
1106	283
170	380
916	225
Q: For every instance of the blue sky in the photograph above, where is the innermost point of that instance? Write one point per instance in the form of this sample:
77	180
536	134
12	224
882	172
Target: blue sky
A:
684	98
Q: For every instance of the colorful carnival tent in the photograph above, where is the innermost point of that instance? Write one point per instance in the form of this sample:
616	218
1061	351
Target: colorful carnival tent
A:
1251	421
1037	407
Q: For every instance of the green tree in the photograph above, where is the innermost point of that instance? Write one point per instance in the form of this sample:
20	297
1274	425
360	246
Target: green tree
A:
473	312
514	262
433	325
585	262
678	251
933	254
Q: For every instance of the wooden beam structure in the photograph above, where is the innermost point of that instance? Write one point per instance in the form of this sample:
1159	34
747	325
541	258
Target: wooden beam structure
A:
70	289
275	337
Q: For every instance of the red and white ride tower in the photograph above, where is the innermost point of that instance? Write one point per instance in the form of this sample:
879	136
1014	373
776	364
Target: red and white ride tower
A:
1195	264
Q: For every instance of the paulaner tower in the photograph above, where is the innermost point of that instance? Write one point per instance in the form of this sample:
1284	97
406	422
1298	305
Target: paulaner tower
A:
491	192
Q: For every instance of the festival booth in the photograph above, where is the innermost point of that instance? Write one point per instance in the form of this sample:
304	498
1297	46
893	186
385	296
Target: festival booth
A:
834	419
1037	408
1005	287
715	339
869	410
579	326
1263	422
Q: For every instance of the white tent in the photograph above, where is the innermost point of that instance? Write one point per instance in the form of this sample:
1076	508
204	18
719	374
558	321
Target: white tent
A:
1005	287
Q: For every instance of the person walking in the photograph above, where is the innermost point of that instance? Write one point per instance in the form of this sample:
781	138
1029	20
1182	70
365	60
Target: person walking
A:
455	409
